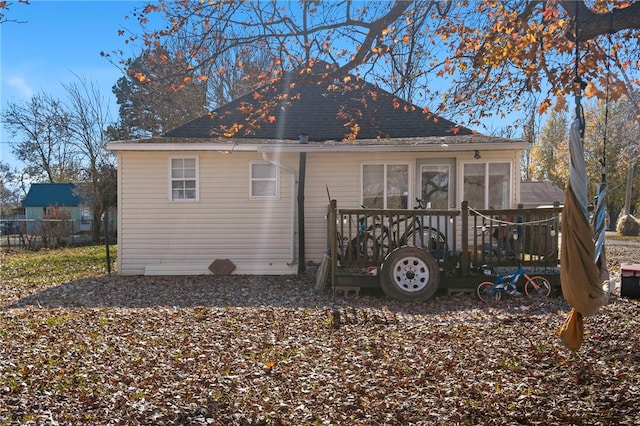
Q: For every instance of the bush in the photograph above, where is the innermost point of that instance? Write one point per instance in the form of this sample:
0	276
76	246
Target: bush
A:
628	226
56	225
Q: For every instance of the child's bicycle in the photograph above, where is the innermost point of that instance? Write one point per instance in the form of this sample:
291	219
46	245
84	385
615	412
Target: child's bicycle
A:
488	291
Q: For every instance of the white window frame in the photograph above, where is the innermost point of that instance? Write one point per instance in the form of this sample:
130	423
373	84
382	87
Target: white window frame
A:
386	165
177	179
486	196
452	189
85	215
275	180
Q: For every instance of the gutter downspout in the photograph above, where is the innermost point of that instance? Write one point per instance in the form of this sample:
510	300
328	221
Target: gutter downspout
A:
293	172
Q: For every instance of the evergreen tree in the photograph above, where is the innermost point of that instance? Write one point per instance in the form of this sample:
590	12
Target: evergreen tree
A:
155	96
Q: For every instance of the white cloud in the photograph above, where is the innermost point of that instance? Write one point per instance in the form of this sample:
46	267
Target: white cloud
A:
20	86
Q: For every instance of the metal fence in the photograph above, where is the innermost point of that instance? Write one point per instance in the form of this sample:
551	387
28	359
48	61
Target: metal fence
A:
33	234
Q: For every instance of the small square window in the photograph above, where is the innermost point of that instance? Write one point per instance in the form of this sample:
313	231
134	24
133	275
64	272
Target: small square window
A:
264	180
184	179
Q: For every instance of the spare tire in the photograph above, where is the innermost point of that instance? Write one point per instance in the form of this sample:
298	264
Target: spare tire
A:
409	274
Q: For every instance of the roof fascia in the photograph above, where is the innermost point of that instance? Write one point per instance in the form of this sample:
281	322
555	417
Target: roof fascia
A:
201	146
324	148
347	147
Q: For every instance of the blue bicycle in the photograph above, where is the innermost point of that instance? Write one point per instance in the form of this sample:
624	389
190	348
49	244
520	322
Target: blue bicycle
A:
491	291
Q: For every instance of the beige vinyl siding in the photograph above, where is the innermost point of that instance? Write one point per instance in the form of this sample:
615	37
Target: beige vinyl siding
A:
159	235
342	174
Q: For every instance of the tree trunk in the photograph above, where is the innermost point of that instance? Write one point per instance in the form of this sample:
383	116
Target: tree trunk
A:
627	195
96	226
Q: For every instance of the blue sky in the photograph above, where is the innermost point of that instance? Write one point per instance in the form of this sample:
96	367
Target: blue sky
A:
57	40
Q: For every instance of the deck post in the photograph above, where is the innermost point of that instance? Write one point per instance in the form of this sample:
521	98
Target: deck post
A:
464	256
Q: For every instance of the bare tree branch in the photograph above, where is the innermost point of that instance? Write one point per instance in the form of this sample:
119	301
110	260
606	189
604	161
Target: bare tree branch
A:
487	54
4	7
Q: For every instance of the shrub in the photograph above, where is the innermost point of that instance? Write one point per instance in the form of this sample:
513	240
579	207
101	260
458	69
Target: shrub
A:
628	226
56	225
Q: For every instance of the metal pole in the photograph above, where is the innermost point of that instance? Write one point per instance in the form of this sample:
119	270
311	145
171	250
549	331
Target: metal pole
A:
105	222
301	177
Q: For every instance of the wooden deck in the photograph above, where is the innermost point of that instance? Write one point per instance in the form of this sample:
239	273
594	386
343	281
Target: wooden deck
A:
460	241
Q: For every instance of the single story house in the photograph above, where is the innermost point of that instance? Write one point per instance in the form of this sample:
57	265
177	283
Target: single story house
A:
250	182
541	193
55	201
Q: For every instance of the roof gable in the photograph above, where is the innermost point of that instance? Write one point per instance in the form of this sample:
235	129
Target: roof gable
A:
51	194
324	112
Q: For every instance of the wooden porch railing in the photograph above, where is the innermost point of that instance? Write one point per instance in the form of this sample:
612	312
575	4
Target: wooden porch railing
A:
461	240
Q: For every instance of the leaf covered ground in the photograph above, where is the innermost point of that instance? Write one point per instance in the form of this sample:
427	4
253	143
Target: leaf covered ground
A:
240	350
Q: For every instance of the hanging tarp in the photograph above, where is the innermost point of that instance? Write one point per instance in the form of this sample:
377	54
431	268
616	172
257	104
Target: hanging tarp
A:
580	276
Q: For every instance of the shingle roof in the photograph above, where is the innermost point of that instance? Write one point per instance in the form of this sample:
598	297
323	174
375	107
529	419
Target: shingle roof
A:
540	193
322	111
51	194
